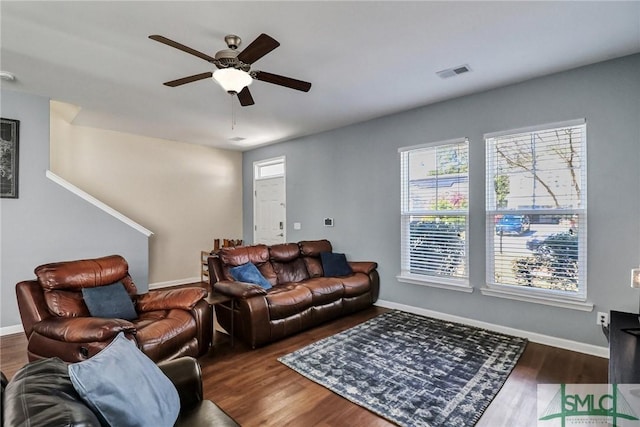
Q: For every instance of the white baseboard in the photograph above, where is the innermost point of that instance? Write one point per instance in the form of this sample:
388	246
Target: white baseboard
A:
593	350
160	285
13	329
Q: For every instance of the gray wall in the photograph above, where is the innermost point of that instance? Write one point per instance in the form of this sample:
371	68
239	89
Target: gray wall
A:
353	175
48	223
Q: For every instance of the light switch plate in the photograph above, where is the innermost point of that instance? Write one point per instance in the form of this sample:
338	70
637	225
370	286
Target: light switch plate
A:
635	277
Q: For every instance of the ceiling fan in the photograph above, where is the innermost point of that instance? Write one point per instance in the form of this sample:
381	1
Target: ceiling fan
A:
234	71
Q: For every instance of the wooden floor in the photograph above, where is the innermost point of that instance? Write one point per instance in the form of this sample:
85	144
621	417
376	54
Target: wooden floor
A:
257	390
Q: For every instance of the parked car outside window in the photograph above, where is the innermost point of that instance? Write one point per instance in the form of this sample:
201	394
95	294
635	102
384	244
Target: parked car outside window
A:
517	224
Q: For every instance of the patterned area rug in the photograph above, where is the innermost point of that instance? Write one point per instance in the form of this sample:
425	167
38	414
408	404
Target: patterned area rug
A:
413	370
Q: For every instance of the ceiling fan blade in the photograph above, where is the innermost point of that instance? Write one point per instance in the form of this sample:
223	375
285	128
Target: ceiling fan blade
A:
245	98
258	48
184	80
181	47
282	81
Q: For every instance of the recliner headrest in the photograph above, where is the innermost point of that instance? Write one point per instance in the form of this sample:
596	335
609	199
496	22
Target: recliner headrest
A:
239	255
314	247
87	273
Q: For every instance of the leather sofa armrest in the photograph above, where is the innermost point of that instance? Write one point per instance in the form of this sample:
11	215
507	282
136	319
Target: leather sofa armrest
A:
82	329
215	269
31	303
202	312
185	374
239	290
184	298
365	267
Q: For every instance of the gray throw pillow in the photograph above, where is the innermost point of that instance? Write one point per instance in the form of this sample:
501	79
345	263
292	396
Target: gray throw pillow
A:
126	388
111	301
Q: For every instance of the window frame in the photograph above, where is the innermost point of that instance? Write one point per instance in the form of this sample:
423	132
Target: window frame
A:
260	165
534	294
406	276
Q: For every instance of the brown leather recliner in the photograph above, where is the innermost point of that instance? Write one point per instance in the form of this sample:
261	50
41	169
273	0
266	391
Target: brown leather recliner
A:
171	323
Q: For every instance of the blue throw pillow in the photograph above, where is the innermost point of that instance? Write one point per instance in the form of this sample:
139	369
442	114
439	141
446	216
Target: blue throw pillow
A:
249	273
126	388
111	301
335	264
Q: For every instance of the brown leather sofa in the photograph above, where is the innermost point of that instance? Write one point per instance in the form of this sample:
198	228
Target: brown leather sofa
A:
301	296
170	323
42	393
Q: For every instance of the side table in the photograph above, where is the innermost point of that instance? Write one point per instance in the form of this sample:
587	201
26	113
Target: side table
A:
215	299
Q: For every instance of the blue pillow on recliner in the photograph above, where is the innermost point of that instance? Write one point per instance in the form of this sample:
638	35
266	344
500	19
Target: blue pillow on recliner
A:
111	301
249	273
335	264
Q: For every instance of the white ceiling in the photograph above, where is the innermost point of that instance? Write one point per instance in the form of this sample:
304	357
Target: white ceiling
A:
365	59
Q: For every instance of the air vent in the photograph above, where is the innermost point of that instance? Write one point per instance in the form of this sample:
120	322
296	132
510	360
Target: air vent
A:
450	72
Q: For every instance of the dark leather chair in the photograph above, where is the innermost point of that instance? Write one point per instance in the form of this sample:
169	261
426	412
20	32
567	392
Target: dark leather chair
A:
171	323
52	395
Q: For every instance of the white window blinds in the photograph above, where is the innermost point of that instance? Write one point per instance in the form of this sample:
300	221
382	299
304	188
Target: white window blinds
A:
434	210
536	209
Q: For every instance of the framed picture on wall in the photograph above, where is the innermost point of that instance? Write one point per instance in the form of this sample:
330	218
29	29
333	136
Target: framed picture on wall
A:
9	139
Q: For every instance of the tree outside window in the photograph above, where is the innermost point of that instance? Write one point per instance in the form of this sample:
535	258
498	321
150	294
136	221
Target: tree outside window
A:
536	209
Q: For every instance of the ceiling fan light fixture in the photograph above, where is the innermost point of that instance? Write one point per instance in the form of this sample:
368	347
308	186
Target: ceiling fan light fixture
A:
232	79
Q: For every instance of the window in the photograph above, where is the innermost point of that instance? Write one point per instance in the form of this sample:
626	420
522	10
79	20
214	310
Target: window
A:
536	211
434	211
269	168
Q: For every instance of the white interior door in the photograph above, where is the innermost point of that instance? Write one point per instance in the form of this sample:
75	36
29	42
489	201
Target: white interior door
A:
270	211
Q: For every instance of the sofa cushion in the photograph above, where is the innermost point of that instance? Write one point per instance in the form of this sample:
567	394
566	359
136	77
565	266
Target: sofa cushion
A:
239	255
314	266
249	273
125	387
310	251
163	333
66	303
324	289
356	284
314	247
335	264
166	299
288	300
111	301
41	394
293	271
268	272
284	252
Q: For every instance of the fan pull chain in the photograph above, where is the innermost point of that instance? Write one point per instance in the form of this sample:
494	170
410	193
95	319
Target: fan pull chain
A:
233	113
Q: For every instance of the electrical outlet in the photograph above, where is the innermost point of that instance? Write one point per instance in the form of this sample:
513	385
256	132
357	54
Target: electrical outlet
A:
603	318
